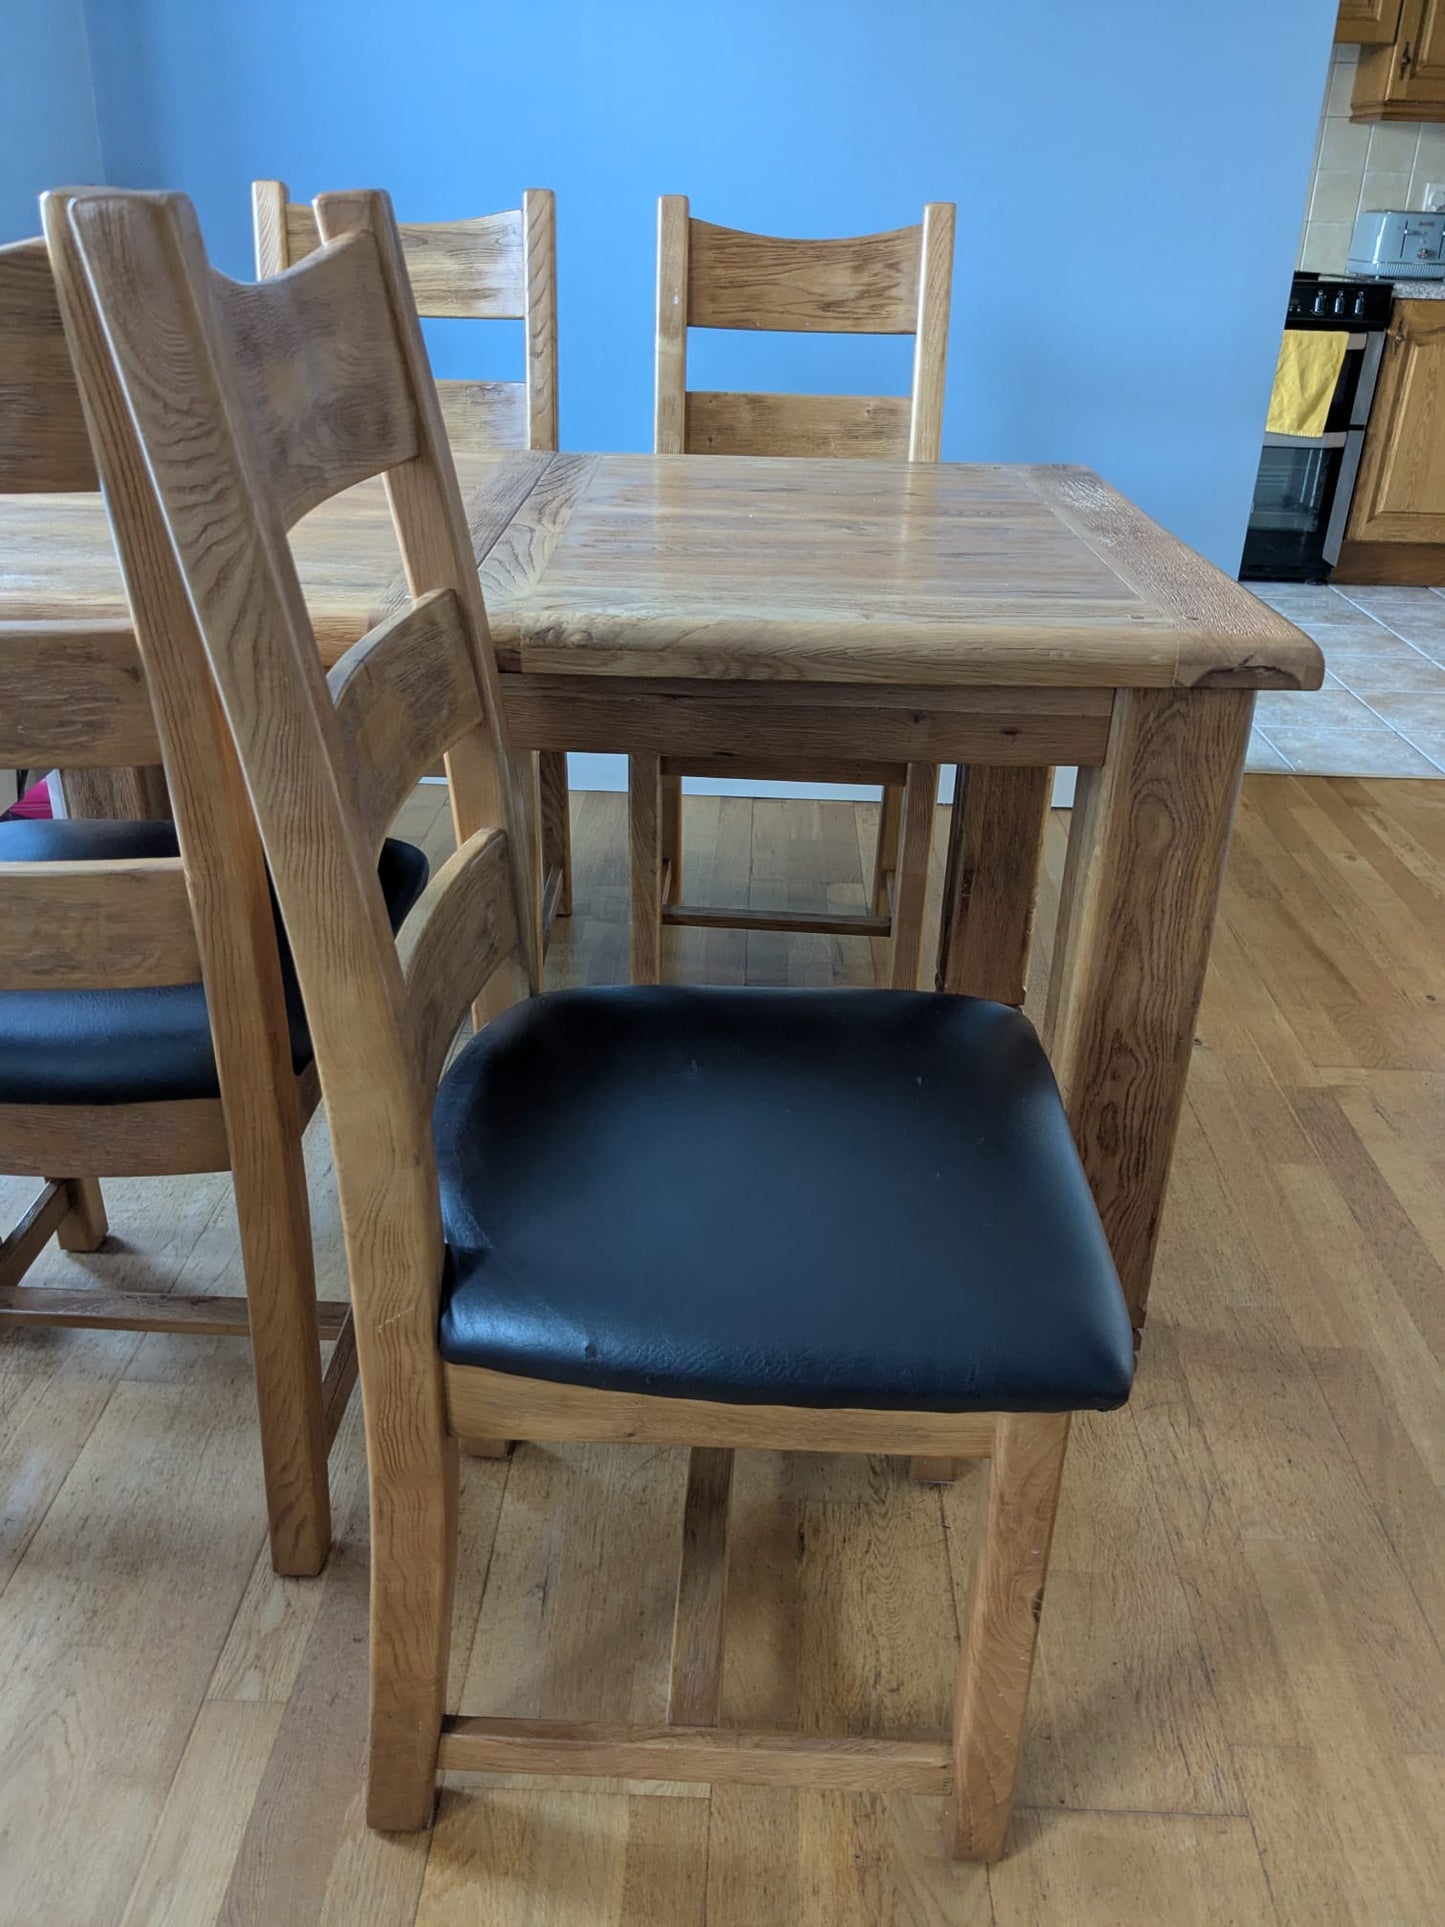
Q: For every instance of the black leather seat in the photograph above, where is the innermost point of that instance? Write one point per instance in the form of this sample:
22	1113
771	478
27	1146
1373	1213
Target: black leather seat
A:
136	1046
828	1198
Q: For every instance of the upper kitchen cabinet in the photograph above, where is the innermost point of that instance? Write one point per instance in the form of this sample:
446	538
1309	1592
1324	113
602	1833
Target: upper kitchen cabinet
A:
1367	22
1406	79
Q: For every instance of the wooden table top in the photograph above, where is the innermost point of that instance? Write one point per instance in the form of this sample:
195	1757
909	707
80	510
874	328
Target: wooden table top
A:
740	568
57	561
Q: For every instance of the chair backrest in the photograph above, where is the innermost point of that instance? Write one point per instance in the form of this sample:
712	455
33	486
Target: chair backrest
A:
497	267
229	410
876	284
75	695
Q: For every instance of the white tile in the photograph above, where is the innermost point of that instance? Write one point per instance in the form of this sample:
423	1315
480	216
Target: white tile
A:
1312	709
1379	189
1368	673
1430	742
1342	81
1392	148
1336	195
1411	711
1430	154
1350	752
1262	758
1414	615
1346	144
1327	244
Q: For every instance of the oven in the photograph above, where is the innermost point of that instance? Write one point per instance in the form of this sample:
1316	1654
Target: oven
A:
1303	488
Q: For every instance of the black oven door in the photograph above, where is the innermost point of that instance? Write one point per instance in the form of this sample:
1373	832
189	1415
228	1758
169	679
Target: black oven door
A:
1294	496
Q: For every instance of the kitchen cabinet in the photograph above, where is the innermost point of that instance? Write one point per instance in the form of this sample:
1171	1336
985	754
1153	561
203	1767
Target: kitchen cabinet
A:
1397	519
1406	79
1362	22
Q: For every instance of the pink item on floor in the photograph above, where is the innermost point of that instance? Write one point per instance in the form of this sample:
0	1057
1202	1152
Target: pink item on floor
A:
34	803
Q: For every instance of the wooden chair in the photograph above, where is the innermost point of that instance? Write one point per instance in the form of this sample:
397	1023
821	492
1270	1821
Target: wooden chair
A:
496	267
883	284
600	1223
146	1024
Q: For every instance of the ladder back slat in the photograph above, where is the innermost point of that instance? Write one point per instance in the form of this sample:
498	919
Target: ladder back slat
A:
117	924
404	694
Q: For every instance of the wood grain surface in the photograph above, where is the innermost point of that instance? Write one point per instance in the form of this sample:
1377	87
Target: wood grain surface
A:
770	569
766	570
1236	1710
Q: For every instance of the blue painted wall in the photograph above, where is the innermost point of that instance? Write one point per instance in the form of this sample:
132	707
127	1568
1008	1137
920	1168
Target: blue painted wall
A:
1129	176
48	131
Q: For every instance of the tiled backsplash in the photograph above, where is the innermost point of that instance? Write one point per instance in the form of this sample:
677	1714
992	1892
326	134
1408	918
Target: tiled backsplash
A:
1359	165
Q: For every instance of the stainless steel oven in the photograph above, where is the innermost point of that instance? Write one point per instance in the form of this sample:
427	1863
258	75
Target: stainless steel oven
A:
1303	488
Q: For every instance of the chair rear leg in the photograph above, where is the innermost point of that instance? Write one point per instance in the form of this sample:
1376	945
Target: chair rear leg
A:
885	854
84	1226
644	843
275	1228
1000	1626
695	1686
910	885
413	1573
672	839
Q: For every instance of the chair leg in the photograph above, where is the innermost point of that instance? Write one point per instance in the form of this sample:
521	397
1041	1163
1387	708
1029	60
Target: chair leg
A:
275	1229
1000	1626
672	838
84	1226
695	1687
644	842
556	825
910	889
413	1572
885	854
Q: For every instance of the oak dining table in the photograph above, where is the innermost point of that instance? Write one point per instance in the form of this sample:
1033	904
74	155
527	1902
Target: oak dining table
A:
728	610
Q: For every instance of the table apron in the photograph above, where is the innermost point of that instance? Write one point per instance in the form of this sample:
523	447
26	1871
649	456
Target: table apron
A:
742	727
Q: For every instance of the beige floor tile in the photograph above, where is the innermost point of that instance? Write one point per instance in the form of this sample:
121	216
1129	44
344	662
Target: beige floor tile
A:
1263	758
1365	669
1415	614
1350	752
1430	742
1312	709
1411	710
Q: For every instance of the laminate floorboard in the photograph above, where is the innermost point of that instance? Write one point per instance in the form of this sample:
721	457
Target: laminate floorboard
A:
1239	1710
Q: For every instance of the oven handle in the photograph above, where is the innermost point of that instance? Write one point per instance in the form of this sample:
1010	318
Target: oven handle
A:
1335	440
1344	496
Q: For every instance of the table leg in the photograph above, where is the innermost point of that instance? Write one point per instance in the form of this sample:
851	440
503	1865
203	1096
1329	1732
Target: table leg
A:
1146	856
995	842
133	795
910	885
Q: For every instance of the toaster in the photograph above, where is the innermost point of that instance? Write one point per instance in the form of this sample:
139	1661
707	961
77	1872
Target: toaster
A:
1399	244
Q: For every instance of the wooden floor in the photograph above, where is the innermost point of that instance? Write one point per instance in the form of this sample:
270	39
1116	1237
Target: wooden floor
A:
1240	1710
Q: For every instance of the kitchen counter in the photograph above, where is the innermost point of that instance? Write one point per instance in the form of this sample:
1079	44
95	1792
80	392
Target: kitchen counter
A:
1418	290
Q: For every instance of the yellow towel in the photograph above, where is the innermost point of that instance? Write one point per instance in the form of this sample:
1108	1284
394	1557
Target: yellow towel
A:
1305	381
